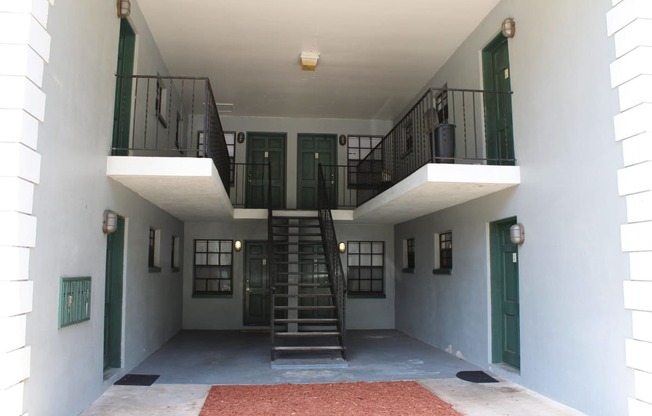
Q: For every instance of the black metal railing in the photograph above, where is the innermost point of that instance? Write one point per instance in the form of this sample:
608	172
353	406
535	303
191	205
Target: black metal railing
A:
444	126
249	186
272	266
169	116
331	254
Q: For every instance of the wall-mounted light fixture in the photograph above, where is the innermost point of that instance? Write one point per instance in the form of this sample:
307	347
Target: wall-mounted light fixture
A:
309	60
342	140
517	234
237	245
124	8
341	247
508	28
109	221
241	137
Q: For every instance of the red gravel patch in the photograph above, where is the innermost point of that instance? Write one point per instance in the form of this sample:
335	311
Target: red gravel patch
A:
384	398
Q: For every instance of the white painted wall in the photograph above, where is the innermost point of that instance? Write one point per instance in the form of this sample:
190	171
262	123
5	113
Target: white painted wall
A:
74	141
227	312
571	266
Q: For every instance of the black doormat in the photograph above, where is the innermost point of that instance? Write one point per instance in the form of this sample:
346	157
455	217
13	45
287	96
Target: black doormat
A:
137	380
476	377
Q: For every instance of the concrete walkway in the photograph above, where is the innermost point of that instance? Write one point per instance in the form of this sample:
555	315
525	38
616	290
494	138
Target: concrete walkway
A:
194	360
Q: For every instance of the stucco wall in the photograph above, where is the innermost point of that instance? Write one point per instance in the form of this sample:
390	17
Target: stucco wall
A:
74	141
227	312
571	266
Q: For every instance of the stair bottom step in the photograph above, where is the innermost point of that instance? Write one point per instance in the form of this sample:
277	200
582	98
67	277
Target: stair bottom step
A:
309	363
311	348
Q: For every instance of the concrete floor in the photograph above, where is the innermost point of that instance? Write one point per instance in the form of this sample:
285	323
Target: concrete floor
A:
194	360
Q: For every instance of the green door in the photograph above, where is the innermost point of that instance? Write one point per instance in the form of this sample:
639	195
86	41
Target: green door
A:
500	139
314	149
506	343
122	108
257	296
265	148
113	297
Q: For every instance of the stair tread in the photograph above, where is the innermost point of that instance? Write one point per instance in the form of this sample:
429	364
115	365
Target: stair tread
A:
305	320
308	334
309	348
304	308
304	295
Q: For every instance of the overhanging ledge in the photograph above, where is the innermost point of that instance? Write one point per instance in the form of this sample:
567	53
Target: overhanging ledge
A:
435	187
188	188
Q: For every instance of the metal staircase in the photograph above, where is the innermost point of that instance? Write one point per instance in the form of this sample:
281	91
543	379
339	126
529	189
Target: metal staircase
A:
307	299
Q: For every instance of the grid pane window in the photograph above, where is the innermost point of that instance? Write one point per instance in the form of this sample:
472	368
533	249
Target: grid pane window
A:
446	250
366	267
359	148
213	267
410	253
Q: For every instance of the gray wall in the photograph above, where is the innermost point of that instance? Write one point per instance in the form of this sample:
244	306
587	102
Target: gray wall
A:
227	313
74	141
571	267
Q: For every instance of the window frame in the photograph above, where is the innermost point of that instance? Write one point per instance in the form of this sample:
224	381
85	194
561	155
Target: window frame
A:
409	260
443	253
225	248
375	166
154	250
376	252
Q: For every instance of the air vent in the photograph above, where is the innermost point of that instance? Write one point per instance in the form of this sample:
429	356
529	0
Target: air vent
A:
74	300
224	107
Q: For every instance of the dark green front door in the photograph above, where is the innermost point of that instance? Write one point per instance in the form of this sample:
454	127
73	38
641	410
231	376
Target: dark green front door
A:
500	139
313	149
113	297
506	342
257	296
122	108
265	148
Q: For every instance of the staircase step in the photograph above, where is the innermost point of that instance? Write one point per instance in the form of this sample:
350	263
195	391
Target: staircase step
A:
284	273
313	285
310	348
305	308
308	334
297	233
304	295
301	263
306	320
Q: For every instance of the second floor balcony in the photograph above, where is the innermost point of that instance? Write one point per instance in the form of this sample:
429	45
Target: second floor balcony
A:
170	146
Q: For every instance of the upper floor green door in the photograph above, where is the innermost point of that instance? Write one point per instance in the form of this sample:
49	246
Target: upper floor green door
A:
122	107
264	148
498	106
314	149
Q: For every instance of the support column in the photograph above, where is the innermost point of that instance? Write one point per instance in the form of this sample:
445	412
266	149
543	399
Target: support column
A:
630	22
24	49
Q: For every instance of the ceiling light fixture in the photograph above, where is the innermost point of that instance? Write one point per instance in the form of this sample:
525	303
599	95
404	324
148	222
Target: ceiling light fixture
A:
309	60
124	8
508	28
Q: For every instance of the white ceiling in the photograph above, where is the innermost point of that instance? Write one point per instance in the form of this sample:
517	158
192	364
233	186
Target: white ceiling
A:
375	55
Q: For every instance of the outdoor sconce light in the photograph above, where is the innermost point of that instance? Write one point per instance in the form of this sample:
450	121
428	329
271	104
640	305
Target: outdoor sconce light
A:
124	8
341	247
508	28
342	140
109	221
237	245
517	234
309	60
241	137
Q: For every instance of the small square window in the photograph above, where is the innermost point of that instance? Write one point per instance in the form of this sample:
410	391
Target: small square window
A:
213	269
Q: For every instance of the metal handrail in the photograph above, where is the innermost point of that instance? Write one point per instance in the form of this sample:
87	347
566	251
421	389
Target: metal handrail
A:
271	267
331	253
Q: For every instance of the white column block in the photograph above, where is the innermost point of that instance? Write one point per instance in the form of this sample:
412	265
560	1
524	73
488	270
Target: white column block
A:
12	400
636	91
639	355
18	195
638	295
629	66
643	383
21	93
638	408
16	368
637	149
635	179
21	60
639	207
23	28
625	12
13	333
20	161
16	298
642	326
37	8
14	263
638	33
636	237
640	265
18	230
633	121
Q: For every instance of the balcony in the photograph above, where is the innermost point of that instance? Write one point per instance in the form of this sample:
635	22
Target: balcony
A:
451	147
